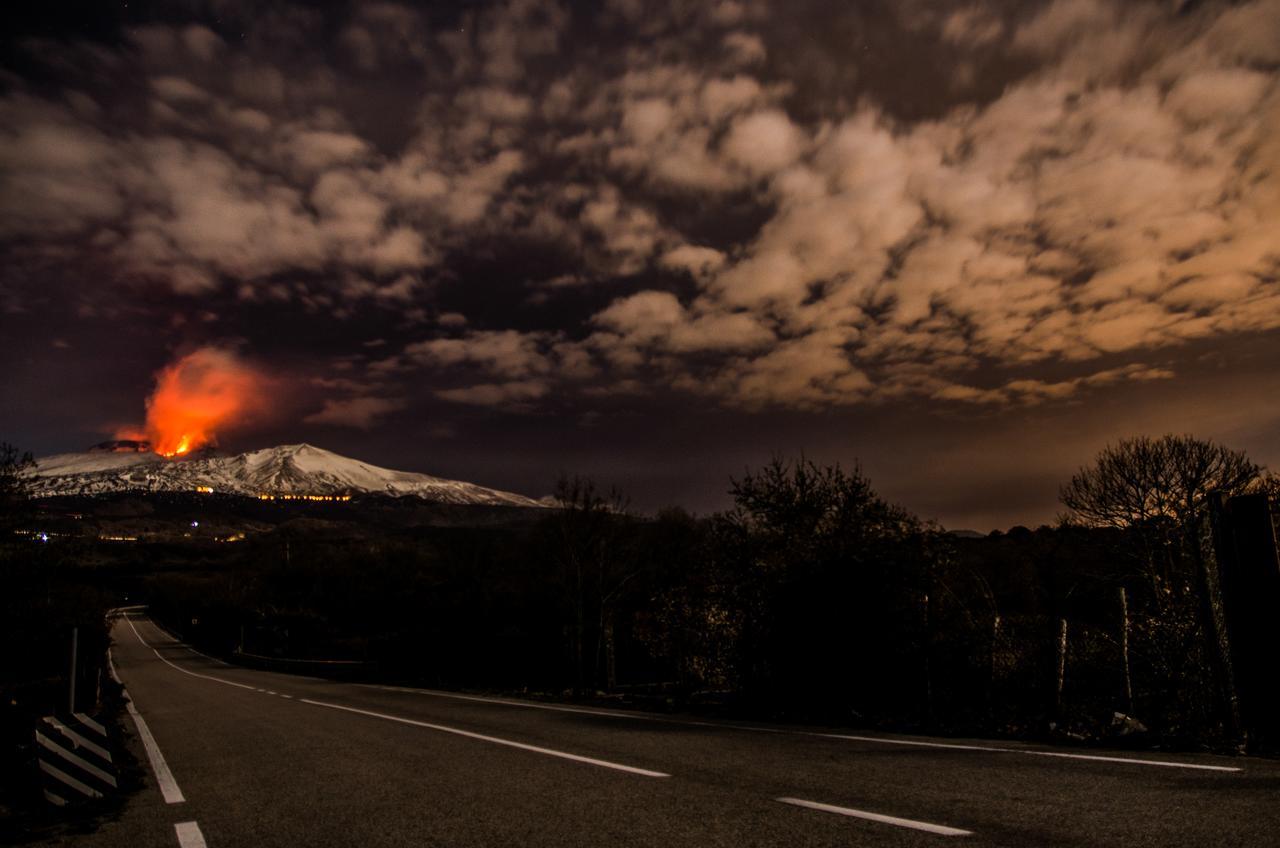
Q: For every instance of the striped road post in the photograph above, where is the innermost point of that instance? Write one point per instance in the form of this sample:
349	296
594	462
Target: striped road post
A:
74	756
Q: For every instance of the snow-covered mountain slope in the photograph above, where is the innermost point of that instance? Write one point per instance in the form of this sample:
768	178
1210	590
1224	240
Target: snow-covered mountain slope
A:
297	470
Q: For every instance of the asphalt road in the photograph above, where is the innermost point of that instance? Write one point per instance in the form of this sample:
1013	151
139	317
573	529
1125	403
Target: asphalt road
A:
264	759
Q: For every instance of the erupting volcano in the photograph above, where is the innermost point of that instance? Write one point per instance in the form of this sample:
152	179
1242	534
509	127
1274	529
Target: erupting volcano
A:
284	472
204	391
211	390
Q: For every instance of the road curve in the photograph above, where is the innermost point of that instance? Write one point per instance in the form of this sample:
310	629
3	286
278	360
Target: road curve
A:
264	759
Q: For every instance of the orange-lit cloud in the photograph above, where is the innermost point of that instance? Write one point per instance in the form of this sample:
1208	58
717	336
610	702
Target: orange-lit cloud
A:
207	390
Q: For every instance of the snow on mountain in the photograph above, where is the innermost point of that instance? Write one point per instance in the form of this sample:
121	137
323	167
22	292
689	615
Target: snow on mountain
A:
283	471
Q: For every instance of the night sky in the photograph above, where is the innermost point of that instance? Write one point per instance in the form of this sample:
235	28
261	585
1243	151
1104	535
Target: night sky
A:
654	243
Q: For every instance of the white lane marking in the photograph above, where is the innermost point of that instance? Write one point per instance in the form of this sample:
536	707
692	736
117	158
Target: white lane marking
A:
748	728
182	644
1165	763
555	708
164	778
928	827
887	741
183	670
111	666
879	740
493	739
189	835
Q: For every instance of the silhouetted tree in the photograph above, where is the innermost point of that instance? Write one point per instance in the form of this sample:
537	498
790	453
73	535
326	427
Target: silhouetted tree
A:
1142	481
833	591
1159	490
588	549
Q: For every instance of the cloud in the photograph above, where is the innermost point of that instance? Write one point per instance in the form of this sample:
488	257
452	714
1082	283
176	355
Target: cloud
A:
361	413
745	47
516	394
507	352
1030	391
658	319
972	26
178	90
318	150
764	142
57	175
1108	192
697	261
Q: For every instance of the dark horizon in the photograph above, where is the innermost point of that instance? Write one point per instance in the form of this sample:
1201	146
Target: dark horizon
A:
965	246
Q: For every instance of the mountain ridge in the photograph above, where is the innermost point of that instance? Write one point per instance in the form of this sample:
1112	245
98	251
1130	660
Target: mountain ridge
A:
296	470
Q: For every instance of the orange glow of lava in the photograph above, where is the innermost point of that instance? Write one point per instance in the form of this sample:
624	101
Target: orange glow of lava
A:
207	390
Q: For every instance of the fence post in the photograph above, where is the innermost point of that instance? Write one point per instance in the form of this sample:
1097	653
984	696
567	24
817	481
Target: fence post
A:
75	645
1124	650
1062	665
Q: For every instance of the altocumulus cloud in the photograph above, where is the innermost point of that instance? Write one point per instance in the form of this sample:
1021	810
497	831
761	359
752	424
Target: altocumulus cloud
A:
1111	194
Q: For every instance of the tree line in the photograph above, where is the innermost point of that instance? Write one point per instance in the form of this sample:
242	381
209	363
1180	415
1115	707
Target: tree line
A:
811	598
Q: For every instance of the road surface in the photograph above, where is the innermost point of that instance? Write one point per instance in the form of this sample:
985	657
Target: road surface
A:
238	757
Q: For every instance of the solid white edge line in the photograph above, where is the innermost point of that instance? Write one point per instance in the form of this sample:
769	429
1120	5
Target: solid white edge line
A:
189	835
440	727
550	752
1106	759
887	741
183	670
556	708
879	740
164	778
928	827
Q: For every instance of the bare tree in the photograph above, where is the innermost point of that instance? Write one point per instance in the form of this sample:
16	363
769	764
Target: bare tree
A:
1161	488
1142	480
595	570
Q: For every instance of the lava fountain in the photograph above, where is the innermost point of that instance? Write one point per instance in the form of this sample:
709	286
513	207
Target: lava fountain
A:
205	390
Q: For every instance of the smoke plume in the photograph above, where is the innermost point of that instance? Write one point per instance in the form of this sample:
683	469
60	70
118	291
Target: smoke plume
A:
203	392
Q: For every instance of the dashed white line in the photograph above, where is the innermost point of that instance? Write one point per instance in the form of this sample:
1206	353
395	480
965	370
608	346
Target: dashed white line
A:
164	778
928	827
189	835
551	752
440	727
746	728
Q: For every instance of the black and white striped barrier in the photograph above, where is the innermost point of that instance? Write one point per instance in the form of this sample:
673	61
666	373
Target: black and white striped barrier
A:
74	755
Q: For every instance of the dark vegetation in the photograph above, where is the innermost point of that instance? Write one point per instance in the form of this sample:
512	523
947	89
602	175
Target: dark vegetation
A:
811	599
45	594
